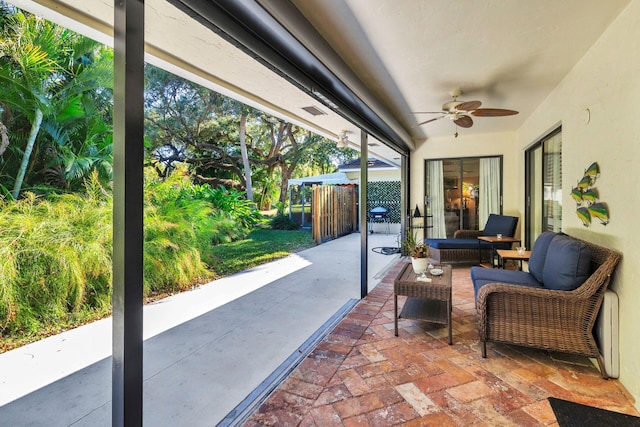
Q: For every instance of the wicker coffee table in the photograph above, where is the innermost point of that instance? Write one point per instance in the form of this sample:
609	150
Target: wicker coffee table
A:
428	301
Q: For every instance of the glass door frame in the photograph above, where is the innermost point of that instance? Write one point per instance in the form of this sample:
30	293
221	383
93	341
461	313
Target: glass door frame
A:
530	185
460	177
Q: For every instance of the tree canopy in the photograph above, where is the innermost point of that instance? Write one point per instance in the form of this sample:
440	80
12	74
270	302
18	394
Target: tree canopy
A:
56	102
188	123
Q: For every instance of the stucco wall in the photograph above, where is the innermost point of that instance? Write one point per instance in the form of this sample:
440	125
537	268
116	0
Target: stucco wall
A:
607	82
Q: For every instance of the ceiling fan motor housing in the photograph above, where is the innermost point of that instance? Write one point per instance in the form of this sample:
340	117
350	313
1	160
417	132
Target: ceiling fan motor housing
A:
451	106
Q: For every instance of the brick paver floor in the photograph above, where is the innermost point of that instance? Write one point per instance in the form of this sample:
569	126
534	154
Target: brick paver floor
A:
362	375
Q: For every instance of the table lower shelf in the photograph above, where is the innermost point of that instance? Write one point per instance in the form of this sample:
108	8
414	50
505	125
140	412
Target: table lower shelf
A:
423	309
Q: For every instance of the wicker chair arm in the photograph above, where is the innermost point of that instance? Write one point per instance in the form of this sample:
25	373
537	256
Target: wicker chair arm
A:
467	234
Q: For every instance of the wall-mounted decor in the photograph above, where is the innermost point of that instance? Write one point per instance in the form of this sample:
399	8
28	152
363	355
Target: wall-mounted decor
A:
586	196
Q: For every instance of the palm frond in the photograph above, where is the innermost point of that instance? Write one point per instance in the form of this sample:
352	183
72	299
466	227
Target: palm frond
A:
71	109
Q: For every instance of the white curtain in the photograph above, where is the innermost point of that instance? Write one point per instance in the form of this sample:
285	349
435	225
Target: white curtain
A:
489	189
435	193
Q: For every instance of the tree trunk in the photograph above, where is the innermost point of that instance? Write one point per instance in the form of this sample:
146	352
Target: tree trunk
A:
284	184
35	128
245	156
284	187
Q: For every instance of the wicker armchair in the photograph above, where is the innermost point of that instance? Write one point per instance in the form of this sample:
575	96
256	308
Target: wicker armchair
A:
548	319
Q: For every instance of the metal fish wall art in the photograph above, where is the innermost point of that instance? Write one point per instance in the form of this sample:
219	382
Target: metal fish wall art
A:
586	197
584	183
593	171
585	217
590	196
599	211
576	195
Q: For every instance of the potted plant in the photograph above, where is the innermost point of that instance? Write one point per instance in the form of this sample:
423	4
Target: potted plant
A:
419	252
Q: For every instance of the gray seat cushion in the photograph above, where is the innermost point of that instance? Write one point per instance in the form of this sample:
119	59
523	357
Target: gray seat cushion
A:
480	276
567	264
539	254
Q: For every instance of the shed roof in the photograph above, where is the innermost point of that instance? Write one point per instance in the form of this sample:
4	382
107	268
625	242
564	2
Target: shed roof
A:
372	163
336	178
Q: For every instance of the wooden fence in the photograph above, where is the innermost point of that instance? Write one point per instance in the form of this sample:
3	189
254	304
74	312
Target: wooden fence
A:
334	211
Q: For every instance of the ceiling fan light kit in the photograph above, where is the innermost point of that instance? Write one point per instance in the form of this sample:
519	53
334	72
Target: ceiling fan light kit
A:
343	139
460	112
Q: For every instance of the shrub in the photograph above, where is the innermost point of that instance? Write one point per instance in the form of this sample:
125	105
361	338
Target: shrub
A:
177	198
183	222
283	222
234	204
56	259
56	256
229	203
174	239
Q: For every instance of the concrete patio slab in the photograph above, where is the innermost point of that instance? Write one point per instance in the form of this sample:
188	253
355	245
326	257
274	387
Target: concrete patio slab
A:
205	350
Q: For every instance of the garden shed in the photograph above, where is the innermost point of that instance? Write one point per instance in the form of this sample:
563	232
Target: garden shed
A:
300	194
383	191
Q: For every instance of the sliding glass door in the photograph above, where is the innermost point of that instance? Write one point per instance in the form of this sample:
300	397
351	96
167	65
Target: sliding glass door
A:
544	187
461	193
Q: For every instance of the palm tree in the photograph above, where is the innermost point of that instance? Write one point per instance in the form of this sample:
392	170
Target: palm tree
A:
26	73
80	129
45	72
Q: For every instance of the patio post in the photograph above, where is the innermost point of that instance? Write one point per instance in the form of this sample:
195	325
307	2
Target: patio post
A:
302	202
405	191
290	207
364	235
128	212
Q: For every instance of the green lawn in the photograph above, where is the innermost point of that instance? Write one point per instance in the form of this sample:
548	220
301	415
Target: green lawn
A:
298	208
261	246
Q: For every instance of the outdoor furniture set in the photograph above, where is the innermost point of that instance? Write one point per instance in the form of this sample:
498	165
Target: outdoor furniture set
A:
553	306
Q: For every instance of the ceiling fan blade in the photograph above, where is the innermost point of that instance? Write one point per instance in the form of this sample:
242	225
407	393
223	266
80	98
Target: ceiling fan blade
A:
429	121
493	112
468	106
464	121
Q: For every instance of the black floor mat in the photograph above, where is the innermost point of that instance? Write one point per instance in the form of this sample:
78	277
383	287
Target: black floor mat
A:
571	414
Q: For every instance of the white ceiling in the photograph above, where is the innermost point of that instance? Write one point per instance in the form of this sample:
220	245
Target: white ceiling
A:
407	55
505	53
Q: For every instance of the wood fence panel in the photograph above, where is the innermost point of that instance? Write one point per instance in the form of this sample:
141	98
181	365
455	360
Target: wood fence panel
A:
334	211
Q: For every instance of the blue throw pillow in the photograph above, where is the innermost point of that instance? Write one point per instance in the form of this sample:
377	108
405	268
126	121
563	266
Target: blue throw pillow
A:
567	264
539	254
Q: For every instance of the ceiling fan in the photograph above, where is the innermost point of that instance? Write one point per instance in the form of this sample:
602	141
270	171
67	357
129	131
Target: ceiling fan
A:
460	112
